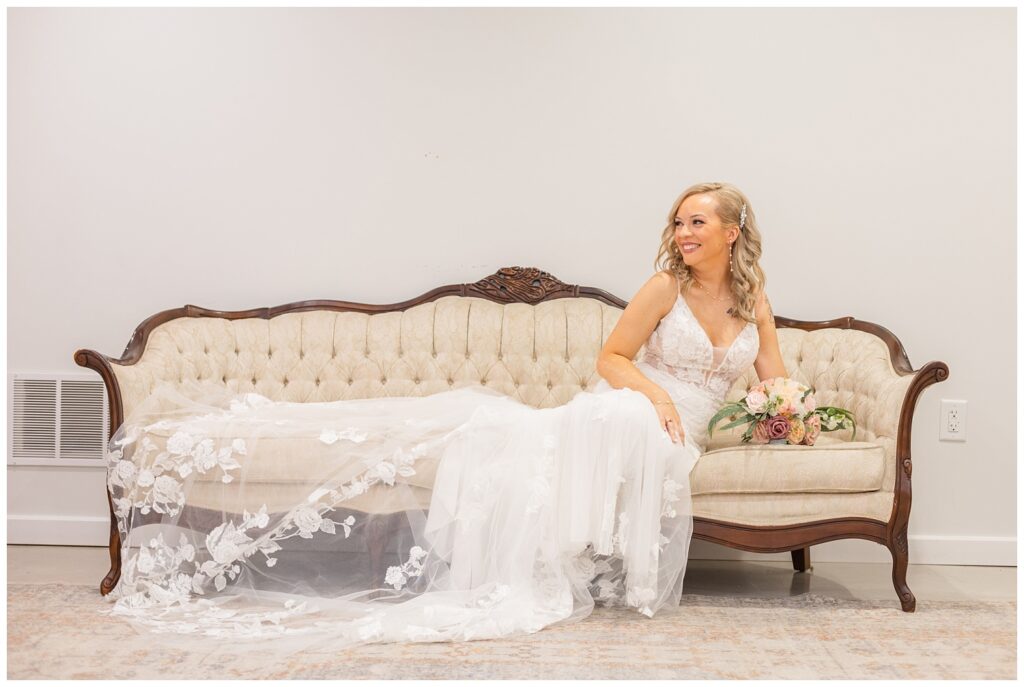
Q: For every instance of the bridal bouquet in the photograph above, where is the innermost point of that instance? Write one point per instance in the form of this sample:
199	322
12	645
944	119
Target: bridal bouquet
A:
782	411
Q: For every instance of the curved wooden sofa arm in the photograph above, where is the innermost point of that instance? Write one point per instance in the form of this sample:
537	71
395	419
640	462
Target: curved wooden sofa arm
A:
104	366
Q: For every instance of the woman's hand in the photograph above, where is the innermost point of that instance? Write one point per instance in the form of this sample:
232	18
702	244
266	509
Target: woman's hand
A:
668	418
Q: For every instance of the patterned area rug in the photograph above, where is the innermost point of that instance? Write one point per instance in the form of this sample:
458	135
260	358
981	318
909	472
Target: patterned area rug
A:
54	631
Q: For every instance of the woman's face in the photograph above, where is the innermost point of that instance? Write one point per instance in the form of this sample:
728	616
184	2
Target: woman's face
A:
697	223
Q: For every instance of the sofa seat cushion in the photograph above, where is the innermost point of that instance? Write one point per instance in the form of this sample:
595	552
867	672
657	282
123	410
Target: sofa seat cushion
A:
787	510
831	466
828	467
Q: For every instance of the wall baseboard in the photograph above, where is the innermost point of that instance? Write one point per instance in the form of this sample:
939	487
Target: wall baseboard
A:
925	549
63	530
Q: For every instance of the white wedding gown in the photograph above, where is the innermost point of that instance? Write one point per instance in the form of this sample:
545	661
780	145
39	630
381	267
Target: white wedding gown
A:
534	516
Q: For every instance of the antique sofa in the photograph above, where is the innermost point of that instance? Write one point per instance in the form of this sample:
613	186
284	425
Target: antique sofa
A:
529	335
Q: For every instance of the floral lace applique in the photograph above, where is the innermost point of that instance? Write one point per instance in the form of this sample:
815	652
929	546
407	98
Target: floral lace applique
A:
398	575
157	483
354	434
669	495
680	347
159	574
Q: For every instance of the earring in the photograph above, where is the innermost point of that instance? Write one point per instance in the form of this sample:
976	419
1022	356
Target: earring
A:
730	258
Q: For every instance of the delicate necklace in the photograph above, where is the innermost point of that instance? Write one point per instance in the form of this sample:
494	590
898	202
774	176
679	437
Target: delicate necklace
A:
728	298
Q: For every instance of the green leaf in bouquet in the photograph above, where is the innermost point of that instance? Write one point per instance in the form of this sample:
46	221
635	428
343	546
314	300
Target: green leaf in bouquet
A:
749	433
725	411
738	422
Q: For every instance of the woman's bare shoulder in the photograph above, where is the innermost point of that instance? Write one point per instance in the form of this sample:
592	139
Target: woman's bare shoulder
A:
666	287
669	281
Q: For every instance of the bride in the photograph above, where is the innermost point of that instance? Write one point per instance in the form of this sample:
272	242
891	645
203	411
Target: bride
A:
533	515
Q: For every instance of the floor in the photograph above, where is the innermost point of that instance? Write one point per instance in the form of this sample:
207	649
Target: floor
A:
863	581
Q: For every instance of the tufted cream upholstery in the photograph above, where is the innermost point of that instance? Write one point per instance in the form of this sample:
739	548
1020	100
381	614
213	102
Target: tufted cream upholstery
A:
541	354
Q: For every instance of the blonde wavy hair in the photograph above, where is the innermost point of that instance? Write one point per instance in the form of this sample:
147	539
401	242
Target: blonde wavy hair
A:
747	276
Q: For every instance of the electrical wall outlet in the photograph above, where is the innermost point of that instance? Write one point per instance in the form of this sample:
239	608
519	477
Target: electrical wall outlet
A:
953	420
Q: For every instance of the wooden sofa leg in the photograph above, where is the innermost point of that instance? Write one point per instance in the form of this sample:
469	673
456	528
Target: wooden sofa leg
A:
900	558
801	559
114	574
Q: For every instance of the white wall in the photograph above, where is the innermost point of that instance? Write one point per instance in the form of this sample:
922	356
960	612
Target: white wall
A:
235	158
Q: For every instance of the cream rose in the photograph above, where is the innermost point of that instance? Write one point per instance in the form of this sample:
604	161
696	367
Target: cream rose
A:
307	520
166	489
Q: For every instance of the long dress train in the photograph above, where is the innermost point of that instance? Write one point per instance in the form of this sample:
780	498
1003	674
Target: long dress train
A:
458	515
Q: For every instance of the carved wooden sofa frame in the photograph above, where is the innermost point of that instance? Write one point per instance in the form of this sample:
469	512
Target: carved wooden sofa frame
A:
532	286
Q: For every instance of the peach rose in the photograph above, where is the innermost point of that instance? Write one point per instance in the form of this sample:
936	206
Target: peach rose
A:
796	431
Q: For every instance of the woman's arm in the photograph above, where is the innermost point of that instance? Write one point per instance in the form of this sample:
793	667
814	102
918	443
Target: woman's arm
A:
615	361
768	363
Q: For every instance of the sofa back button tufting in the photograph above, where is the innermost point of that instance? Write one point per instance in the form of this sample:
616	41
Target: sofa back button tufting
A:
417	381
350	381
549	385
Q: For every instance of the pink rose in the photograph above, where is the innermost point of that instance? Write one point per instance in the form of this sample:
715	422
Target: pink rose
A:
778	427
813	424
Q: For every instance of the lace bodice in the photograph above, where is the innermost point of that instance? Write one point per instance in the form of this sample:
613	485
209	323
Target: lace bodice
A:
681	347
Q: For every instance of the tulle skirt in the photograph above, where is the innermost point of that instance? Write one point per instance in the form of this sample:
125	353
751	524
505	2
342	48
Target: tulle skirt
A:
459	515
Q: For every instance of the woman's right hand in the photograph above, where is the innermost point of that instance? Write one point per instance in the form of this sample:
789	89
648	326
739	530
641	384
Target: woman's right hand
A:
668	418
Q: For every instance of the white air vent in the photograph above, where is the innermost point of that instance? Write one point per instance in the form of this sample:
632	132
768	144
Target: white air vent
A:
57	419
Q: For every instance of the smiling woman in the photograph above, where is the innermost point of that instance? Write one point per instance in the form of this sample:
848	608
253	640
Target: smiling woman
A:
708	272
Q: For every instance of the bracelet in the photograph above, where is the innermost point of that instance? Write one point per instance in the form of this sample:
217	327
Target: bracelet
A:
663	402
